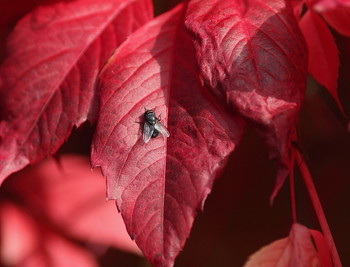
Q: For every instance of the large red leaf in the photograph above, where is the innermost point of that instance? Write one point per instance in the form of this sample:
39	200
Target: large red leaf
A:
159	186
323	52
295	250
252	55
48	78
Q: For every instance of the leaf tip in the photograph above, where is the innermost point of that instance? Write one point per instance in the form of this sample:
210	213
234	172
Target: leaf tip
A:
282	174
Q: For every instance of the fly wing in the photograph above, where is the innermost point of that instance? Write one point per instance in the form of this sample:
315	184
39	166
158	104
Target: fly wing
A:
161	128
147	132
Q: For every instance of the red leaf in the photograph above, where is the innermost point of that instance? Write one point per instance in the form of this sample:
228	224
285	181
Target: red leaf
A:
335	12
73	198
24	244
48	79
323	52
295	250
339	19
11	12
253	57
160	185
297	8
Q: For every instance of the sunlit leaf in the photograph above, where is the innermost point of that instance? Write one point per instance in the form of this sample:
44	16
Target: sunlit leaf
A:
159	186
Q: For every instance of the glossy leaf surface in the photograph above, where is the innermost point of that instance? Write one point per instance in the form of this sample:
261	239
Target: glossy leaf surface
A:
159	186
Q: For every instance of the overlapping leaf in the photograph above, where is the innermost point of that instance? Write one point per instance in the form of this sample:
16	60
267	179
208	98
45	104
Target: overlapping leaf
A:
48	79
252	55
323	52
335	12
160	185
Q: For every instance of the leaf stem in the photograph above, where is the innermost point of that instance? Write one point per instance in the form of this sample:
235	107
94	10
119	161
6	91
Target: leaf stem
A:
292	188
305	173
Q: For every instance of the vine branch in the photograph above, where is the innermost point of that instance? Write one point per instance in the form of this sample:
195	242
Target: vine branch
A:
305	173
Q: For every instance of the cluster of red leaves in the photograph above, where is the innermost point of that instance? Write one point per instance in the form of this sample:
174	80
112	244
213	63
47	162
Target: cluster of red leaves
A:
208	67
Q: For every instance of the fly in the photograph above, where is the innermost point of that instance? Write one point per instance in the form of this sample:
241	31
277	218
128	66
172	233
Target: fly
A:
152	126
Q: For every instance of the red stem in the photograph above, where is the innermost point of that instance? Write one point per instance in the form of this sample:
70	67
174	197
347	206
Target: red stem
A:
292	189
305	173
